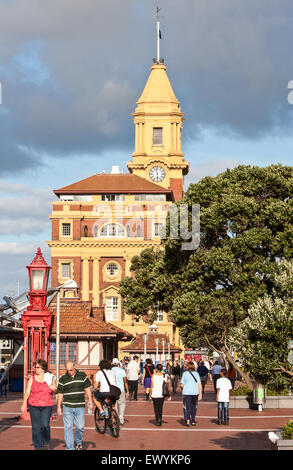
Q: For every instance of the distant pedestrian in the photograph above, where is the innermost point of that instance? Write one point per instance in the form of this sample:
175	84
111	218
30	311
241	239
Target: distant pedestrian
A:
203	373
216	373
133	373
3	384
223	397
121	382
231	375
71	390
191	393
148	371
39	397
156	390
175	376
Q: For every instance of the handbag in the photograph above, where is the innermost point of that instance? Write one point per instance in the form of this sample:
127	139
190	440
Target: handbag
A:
165	390
115	392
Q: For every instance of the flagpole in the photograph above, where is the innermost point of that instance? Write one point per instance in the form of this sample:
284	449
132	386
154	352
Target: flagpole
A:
158	41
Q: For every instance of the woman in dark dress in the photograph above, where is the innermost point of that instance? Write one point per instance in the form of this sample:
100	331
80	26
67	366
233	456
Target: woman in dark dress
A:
148	371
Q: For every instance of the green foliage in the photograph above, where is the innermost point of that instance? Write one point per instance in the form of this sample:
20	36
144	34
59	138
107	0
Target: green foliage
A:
246	227
287	431
261	339
241	391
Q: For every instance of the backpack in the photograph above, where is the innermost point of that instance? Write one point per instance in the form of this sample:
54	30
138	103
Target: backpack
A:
115	392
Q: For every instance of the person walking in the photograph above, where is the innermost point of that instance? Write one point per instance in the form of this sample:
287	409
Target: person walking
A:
156	391
133	373
224	388
191	393
231	375
72	387
203	373
148	371
121	382
175	375
39	398
216	373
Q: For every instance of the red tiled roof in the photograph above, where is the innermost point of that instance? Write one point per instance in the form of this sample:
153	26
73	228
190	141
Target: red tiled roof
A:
80	318
137	344
112	183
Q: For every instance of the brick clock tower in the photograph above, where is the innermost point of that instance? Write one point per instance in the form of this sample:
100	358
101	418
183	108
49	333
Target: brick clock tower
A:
158	123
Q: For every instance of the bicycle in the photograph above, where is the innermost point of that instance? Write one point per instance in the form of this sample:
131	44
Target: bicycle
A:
111	419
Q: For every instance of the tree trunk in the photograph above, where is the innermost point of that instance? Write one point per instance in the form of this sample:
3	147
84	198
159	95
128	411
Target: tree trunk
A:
231	359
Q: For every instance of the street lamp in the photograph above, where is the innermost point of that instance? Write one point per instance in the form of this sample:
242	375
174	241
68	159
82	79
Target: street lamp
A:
145	337
36	320
157	348
69	284
163	344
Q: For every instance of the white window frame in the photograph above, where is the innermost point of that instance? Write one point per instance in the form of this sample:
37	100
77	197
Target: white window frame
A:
112	308
112	231
157	229
160	316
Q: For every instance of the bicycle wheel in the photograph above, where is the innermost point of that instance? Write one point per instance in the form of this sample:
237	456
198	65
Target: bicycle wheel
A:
114	423
100	423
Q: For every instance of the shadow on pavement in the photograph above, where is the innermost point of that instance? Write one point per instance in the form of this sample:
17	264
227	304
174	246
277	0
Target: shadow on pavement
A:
244	440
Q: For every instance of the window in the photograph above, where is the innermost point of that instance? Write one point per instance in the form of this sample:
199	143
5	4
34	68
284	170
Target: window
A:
160	316
66	230
112	308
112	197
67	352
157	230
65	271
138	231
112	269
157	136
150	197
112	230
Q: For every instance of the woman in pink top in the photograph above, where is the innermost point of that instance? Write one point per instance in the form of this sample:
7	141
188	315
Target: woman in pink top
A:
39	396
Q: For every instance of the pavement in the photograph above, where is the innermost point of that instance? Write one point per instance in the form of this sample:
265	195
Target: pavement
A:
247	430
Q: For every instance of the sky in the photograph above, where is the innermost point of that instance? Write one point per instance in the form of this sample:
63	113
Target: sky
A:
71	73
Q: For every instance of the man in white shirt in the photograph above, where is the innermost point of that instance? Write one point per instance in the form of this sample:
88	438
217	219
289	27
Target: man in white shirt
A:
133	373
224	388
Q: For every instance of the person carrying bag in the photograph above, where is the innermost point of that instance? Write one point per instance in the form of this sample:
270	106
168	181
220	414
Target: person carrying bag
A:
191	393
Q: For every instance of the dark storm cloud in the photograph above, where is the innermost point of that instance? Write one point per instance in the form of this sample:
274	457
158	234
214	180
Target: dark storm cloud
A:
71	72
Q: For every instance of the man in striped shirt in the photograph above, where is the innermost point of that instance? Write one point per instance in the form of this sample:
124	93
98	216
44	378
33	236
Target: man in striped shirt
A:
71	389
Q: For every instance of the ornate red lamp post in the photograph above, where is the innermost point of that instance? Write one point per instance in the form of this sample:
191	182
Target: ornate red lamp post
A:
36	320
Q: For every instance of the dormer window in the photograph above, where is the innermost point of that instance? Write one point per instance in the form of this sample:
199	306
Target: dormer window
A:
157	136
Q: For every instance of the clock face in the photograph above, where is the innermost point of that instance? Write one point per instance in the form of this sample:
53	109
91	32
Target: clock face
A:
157	173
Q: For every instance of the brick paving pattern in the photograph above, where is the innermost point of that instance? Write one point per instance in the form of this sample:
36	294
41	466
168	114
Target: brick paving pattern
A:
248	429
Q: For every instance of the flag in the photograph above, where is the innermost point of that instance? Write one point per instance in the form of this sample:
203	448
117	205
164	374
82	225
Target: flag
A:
160	35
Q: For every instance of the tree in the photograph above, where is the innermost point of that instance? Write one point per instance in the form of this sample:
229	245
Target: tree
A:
246	226
261	339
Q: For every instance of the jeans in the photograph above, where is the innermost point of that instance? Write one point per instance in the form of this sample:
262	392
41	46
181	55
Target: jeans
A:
222	405
189	407
158	408
120	405
70	416
40	418
132	385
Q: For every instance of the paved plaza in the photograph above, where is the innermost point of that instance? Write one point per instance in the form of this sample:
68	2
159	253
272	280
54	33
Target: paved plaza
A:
248	429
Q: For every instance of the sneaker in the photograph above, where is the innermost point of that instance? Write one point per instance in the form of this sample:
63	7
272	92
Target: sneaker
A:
121	420
103	414
78	447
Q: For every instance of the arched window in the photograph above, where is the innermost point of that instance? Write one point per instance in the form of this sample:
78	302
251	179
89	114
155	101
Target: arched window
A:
138	230
112	230
85	231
